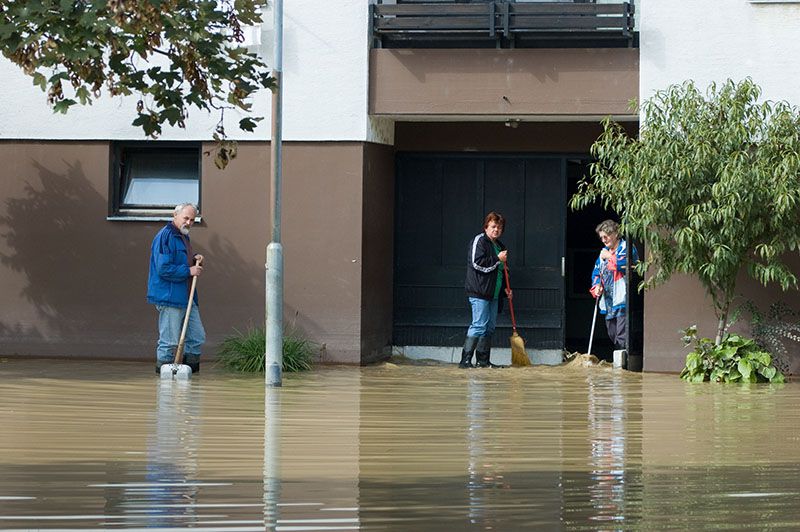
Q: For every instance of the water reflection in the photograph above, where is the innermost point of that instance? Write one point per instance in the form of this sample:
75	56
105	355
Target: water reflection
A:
272	456
166	493
483	477
311	452
393	448
606	422
170	492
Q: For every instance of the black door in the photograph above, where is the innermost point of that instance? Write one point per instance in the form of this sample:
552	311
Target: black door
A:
441	202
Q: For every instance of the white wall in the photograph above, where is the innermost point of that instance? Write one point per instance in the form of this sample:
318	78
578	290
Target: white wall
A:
715	40
325	88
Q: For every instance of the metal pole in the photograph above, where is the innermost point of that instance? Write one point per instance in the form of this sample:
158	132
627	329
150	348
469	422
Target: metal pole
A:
274	274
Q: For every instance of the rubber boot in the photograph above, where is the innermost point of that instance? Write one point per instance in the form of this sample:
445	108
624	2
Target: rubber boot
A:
466	354
193	361
483	353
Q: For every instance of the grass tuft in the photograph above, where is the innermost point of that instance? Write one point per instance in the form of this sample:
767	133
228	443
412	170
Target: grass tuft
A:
244	352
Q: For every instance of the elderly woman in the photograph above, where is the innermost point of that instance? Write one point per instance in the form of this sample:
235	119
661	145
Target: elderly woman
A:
485	286
608	281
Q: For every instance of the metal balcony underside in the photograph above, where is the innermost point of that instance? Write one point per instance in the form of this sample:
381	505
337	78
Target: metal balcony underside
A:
502	24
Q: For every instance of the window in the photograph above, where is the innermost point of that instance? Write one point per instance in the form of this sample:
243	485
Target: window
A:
149	178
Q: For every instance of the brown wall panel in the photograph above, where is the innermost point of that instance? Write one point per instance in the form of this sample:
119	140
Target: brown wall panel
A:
74	284
71	282
233	238
378	249
322	224
683	302
568	82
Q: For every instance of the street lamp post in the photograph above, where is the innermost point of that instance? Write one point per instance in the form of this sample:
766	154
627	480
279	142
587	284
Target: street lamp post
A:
274	273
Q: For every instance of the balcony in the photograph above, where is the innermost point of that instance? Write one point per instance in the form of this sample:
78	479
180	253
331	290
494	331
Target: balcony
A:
502	24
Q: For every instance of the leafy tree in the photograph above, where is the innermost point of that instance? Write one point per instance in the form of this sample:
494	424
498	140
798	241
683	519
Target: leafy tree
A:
712	185
171	54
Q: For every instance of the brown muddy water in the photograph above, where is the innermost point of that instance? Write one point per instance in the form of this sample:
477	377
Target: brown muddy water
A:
106	445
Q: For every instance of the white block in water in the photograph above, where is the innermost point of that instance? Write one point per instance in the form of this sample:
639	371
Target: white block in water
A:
180	372
619	358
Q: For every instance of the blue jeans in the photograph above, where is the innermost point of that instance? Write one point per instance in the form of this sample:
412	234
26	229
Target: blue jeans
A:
170	322
484	317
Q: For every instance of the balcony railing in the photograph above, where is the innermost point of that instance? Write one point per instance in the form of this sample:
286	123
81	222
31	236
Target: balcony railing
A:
501	24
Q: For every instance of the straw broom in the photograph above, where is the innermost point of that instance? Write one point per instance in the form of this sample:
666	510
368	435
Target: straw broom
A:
519	358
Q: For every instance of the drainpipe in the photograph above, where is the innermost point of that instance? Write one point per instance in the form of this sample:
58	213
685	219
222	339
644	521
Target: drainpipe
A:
274	275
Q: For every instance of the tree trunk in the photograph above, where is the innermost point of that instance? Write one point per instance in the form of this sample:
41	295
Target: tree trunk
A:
723	321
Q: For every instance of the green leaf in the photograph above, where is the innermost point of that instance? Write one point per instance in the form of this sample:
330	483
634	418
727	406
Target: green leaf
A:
59	76
727	352
63	106
83	95
768	372
172	115
39	80
693	360
744	368
249	124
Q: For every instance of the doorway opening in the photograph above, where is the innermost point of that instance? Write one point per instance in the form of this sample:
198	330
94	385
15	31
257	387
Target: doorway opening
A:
582	248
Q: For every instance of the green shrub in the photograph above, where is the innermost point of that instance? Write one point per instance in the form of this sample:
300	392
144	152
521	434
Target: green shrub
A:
735	359
245	352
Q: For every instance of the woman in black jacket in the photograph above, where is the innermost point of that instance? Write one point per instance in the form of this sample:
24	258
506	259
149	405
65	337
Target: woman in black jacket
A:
484	286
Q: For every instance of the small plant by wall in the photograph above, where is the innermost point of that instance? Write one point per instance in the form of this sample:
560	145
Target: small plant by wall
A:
734	359
244	352
778	331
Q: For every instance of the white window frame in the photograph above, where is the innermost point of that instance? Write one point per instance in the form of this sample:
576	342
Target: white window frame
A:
118	210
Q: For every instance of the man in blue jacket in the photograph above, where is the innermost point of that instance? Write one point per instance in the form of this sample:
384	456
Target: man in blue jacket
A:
172	266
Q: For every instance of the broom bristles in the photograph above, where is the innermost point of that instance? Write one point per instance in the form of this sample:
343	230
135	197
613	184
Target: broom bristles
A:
518	355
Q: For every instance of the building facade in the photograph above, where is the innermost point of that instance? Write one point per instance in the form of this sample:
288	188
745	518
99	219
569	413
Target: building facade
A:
403	125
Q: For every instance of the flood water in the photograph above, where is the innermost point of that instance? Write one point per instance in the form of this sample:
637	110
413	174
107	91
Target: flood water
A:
393	447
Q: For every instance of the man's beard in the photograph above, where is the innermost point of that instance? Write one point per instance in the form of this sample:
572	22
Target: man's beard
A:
185	230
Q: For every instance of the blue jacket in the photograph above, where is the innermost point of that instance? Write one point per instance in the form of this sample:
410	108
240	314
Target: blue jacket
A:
169	279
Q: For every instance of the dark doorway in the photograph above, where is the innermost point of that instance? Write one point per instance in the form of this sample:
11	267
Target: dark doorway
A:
441	201
583	246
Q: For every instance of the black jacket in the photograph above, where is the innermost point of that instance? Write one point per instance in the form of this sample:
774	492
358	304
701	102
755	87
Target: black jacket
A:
483	269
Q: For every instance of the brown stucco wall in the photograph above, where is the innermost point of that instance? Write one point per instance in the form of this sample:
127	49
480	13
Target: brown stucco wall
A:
377	251
519	82
683	302
322	245
73	284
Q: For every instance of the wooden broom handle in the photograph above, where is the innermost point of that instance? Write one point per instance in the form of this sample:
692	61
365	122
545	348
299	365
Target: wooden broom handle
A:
510	302
182	341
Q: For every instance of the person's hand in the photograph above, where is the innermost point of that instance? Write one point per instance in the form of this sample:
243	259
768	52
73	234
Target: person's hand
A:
596	290
503	256
195	271
606	254
198	258
509	293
